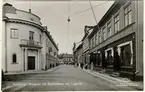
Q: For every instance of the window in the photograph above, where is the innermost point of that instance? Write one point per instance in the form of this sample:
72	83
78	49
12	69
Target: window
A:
14	58
14	33
96	39
128	15
47	42
109	29
90	43
93	44
116	23
31	35
104	33
40	38
54	53
100	37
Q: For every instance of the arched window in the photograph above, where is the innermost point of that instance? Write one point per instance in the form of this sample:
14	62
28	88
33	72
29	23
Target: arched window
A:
14	58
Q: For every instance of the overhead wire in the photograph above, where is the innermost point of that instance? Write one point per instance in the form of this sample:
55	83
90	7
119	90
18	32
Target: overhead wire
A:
88	9
93	11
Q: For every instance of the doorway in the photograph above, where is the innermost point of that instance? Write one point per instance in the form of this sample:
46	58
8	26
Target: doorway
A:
31	62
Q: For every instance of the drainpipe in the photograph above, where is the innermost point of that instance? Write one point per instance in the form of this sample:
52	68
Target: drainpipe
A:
5	46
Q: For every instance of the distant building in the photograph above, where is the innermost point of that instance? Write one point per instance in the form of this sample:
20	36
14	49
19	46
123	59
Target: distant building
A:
66	58
85	44
78	53
24	41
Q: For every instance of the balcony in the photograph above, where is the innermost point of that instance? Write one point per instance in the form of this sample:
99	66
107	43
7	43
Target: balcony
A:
30	43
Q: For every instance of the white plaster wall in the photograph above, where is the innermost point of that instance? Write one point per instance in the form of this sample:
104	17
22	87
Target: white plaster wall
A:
3	47
23	15
13	44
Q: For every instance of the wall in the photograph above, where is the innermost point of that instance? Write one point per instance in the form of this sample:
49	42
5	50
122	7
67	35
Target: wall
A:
23	15
13	44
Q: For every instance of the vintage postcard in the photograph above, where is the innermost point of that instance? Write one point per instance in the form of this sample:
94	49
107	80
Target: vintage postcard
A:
72	45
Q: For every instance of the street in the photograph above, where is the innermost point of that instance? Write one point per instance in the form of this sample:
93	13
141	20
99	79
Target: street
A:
64	78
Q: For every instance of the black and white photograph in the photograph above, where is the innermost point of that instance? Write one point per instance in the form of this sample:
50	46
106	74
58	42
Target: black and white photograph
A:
72	45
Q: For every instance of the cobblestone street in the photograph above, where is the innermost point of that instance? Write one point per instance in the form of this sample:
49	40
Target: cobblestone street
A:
64	78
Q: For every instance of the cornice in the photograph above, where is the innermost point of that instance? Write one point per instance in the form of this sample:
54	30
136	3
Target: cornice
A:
25	22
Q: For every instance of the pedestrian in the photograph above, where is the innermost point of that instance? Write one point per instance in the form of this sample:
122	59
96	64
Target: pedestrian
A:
116	61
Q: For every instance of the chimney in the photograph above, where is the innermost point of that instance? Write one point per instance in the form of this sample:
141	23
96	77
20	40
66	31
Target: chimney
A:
30	10
85	29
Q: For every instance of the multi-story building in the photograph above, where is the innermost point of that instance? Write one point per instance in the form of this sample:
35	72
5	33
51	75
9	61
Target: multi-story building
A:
117	40
78	53
50	50
85	43
23	41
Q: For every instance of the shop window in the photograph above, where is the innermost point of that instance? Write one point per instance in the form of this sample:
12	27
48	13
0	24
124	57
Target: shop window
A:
126	55
109	57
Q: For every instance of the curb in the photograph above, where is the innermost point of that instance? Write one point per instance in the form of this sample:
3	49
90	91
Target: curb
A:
114	80
15	89
33	72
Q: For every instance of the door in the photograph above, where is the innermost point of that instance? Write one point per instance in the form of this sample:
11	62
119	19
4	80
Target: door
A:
31	63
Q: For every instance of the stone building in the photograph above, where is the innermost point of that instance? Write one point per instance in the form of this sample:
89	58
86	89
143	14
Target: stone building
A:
23	41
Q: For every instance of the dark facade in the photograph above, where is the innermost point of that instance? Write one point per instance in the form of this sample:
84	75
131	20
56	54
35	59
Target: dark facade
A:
116	43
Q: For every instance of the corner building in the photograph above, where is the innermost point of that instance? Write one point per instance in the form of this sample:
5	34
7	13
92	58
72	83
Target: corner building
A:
22	41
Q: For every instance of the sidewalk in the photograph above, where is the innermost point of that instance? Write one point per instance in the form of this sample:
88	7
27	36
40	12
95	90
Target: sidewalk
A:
116	80
10	78
31	71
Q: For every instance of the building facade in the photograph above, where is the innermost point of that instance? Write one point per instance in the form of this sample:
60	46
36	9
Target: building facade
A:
23	41
66	58
78	53
116	43
85	46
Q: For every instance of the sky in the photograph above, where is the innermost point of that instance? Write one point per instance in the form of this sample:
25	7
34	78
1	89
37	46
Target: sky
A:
54	15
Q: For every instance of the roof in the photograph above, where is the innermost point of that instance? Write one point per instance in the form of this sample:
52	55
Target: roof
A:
77	45
65	56
116	3
51	39
68	55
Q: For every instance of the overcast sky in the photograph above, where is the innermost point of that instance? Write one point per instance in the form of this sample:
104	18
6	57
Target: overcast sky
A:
54	15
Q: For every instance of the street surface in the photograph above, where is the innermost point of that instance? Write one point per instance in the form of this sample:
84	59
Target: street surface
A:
65	78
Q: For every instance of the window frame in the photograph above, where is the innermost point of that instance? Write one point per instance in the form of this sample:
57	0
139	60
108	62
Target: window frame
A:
109	26
99	34
16	33
31	35
96	39
127	14
116	22
14	58
104	32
